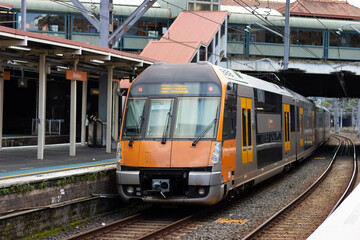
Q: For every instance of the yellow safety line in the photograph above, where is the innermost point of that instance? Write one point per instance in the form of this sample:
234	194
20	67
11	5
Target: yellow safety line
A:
55	170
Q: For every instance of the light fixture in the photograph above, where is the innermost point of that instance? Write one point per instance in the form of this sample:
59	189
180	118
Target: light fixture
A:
96	61
62	67
20	61
20	48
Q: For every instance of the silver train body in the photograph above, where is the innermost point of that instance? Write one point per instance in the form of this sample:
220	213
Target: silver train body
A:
196	133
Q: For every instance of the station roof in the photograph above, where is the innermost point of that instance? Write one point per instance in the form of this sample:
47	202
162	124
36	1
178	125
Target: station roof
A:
319	8
5	6
182	40
120	7
323	8
22	48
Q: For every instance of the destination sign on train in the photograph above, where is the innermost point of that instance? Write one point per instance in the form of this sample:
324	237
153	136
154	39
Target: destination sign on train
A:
198	89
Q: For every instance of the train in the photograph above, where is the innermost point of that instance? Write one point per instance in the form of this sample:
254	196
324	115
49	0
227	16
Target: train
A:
196	133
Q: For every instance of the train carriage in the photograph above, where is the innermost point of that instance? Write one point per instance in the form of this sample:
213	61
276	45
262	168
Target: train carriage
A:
194	133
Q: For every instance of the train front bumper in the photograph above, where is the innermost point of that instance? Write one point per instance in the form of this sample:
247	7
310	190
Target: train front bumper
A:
195	181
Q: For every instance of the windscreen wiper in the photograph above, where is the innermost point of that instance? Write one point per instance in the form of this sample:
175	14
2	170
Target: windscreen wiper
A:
204	132
138	130
163	140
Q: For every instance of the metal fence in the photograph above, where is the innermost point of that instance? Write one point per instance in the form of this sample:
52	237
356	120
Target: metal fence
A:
52	127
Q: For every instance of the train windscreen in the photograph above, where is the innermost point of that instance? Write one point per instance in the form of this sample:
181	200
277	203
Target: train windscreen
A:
180	111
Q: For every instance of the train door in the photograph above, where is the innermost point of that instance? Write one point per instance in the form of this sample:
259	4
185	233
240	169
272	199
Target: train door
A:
286	127
301	127
246	130
313	127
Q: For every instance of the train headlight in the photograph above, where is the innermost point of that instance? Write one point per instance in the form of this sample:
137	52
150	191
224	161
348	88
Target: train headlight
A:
216	152
201	191
119	154
215	159
130	190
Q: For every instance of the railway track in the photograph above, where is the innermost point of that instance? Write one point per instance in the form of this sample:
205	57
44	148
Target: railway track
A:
304	214
146	225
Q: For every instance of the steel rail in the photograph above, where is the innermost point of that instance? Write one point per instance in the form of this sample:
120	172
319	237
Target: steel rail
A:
167	228
302	196
352	180
95	232
103	230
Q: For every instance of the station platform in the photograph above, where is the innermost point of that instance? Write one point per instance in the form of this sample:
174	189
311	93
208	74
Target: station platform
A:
21	163
344	223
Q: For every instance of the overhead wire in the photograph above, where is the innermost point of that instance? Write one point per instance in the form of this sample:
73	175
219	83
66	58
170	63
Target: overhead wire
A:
242	63
280	31
235	29
339	76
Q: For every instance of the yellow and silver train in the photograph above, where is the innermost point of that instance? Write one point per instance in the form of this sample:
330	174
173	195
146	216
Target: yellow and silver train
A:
194	133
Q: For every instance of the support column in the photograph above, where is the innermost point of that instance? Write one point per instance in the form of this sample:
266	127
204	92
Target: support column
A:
104	23
287	35
336	116
83	113
1	104
108	109
218	49
41	121
23	15
73	116
225	37
358	118
116	111
353	124
213	57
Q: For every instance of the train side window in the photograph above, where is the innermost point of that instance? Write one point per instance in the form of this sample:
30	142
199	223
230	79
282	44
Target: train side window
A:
292	118
249	127
243	111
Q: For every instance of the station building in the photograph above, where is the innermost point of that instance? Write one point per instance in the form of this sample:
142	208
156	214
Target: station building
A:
324	39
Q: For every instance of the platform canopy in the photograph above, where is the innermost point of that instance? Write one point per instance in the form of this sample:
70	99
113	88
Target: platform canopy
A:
23	48
48	55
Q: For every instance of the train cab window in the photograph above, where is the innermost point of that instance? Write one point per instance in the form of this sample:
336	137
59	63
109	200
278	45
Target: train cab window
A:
197	116
159	118
229	122
134	117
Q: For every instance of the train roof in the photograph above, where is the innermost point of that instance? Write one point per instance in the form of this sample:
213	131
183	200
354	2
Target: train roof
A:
249	81
178	73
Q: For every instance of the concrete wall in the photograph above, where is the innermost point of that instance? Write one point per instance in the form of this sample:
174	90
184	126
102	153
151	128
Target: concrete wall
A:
31	208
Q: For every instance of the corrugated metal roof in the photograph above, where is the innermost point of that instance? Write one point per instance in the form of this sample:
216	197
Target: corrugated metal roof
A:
171	52
120	9
318	8
254	4
5	6
190	30
330	9
295	22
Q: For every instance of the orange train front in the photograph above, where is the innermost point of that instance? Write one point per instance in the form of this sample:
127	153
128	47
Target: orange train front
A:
195	133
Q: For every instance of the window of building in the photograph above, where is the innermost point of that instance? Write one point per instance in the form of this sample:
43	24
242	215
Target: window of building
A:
203	5
345	40
235	33
307	37
44	22
82	25
149	28
262	35
6	18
